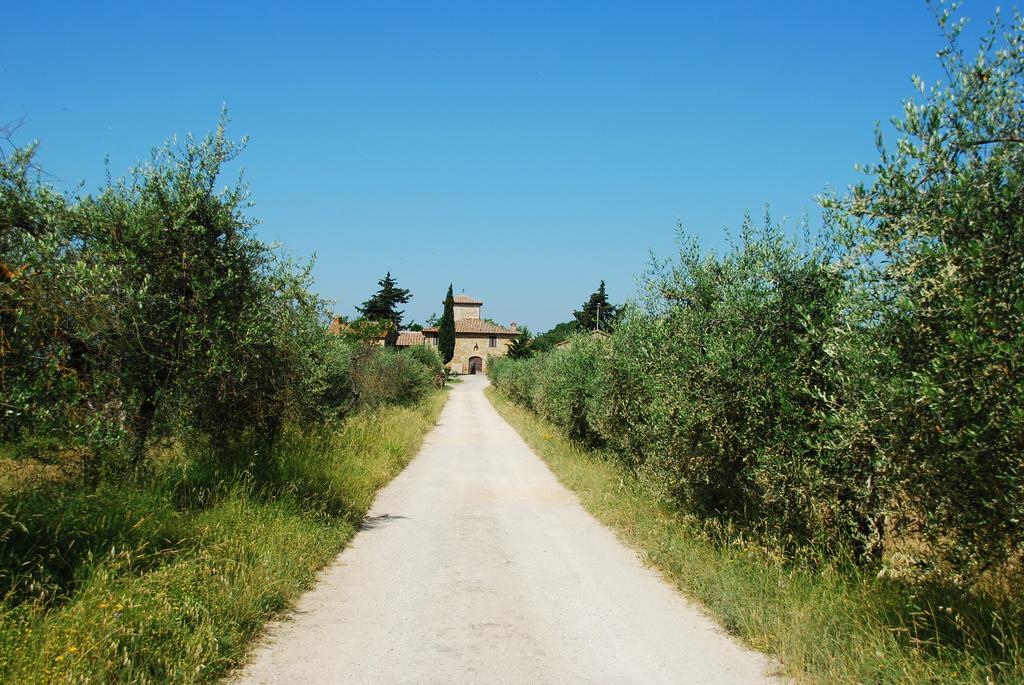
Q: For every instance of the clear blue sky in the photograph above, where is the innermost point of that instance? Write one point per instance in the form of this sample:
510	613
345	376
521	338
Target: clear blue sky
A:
521	150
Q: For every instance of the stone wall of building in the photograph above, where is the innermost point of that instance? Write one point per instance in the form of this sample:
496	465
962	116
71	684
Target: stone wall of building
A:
477	346
465	311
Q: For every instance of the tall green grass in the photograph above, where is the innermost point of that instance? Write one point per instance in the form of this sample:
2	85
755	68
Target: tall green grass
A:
827	623
168	579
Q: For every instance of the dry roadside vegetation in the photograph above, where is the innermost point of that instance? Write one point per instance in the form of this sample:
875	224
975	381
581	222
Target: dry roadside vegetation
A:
835	424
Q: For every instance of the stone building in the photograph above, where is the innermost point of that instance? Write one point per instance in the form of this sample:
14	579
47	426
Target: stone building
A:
476	340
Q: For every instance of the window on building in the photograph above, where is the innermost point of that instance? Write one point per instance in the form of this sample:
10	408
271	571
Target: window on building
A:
494	341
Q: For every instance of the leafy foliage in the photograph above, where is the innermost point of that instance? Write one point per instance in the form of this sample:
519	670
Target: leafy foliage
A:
150	343
394	377
547	340
597	313
428	356
521	347
931	386
859	395
712	386
382	306
150	310
58	300
201	335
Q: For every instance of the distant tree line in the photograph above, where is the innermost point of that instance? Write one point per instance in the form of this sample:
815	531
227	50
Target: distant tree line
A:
597	313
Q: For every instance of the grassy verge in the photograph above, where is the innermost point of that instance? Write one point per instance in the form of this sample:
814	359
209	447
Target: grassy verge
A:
168	580
826	625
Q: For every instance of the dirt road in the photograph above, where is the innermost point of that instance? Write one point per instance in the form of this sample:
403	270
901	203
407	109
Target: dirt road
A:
477	566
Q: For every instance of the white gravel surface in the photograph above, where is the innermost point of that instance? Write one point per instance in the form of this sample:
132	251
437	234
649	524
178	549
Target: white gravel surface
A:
476	566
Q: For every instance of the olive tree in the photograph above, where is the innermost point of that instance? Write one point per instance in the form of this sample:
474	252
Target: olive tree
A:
932	384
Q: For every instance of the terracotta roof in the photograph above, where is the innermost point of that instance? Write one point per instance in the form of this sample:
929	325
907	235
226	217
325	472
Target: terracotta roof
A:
463	298
407	338
476	326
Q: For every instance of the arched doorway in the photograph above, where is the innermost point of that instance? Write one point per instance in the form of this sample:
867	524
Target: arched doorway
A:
476	365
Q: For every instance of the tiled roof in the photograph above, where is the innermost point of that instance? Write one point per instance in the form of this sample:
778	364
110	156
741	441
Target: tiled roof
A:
406	338
463	298
476	326
481	326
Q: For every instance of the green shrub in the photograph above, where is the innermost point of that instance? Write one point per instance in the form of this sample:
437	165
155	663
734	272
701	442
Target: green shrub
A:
831	396
388	376
633	416
513	377
931	379
737	383
428	356
150	309
569	382
713	387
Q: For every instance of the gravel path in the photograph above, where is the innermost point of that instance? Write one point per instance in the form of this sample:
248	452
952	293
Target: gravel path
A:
477	566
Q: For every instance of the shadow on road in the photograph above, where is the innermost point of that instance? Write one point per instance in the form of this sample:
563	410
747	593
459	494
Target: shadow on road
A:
371	522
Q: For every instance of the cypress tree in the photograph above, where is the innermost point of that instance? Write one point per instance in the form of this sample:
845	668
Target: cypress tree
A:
446	329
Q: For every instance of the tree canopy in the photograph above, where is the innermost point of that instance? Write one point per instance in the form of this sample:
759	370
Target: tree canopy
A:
597	314
150	308
382	306
521	347
933	242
